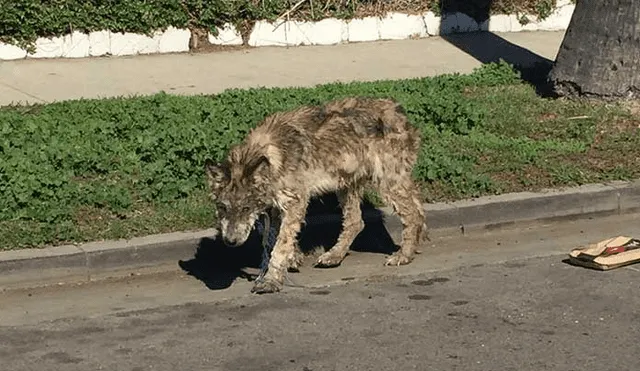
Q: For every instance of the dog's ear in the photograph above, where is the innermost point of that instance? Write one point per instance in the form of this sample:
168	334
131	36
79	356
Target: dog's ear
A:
217	175
258	169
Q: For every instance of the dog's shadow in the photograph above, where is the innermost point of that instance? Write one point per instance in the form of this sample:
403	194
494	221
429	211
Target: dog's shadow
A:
218	265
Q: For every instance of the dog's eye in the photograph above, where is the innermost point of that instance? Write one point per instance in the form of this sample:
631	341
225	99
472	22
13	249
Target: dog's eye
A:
221	207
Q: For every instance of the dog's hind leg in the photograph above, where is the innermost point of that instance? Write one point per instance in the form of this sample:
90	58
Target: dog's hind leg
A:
352	225
404	197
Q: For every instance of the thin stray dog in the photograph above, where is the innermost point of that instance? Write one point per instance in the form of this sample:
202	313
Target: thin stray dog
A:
344	146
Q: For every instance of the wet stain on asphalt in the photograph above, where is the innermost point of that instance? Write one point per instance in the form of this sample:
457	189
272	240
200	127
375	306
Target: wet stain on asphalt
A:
421	283
419	297
430	281
320	292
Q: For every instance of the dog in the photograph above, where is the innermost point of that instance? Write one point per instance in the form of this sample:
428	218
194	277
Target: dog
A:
343	146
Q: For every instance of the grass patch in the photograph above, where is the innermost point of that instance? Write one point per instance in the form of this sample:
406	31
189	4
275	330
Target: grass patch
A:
113	168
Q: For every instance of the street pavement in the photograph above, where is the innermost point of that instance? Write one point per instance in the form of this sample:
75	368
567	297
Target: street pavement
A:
489	300
40	81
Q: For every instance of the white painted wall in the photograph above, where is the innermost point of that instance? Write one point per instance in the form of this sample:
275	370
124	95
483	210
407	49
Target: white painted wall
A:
393	26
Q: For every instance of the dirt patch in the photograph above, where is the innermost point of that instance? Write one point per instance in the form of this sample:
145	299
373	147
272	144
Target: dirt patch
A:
212	48
547	116
529	178
613	148
607	129
633	106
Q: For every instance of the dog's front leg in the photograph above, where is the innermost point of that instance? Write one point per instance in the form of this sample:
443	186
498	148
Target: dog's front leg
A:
284	251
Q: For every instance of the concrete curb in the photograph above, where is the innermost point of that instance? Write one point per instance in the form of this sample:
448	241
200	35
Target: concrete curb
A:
85	262
328	31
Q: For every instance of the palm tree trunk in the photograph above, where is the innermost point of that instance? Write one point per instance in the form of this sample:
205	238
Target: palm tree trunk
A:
600	54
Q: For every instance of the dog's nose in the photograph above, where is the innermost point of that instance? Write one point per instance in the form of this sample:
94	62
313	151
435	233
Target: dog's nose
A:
230	242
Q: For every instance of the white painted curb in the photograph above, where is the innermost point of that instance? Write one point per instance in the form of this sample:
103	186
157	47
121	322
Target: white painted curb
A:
331	31
227	35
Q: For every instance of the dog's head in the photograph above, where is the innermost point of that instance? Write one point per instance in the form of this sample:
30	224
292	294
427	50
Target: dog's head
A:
239	191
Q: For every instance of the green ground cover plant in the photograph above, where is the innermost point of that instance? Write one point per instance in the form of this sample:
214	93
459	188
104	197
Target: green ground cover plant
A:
113	168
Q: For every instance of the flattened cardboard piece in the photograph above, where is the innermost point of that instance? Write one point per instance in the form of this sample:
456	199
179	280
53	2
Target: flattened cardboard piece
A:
608	254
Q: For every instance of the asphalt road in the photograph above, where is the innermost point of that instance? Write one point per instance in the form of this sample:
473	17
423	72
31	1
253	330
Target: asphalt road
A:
488	305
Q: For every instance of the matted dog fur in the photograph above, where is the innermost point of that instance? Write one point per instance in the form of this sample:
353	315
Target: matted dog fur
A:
344	146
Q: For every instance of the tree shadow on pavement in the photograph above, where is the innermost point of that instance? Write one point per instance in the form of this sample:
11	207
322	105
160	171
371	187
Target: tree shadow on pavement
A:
218	265
487	47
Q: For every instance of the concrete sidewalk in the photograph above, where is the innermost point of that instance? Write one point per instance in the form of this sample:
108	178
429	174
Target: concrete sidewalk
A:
37	81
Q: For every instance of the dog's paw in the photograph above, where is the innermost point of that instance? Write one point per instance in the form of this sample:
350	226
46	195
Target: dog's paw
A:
329	260
266	287
296	262
398	259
